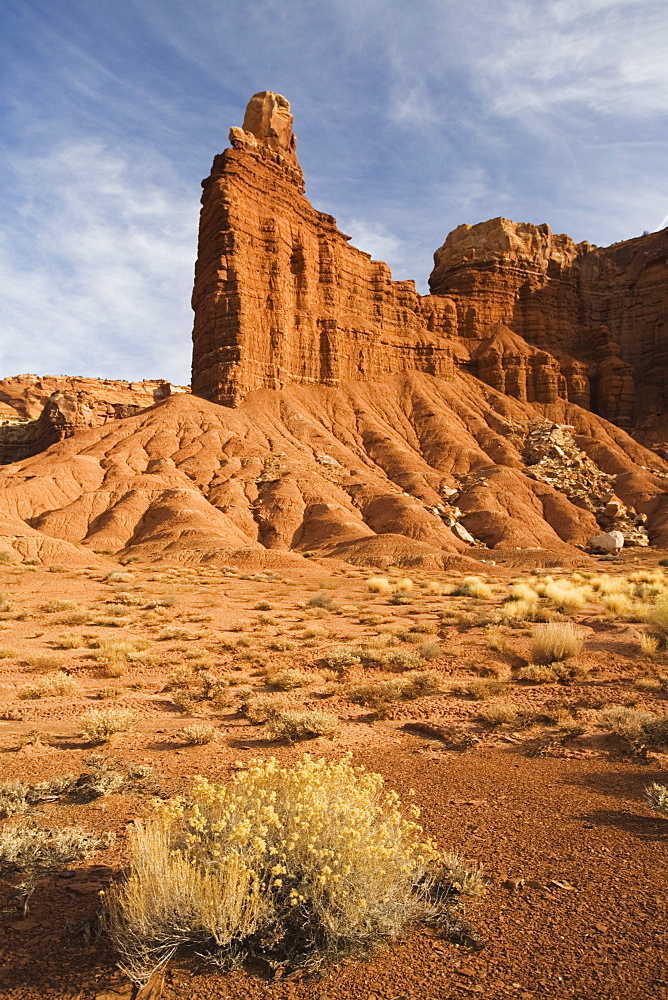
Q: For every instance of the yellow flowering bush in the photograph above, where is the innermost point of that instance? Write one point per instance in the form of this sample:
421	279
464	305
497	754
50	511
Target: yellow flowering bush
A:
291	863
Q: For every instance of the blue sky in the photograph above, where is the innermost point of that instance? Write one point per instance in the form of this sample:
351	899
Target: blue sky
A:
412	117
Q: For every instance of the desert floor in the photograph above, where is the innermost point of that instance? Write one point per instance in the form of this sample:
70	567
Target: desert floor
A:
529	780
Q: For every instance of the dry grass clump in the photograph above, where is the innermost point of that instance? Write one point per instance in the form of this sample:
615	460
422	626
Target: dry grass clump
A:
379	695
60	684
378	585
43	662
324	601
555	642
649	644
657	796
641	730
287	678
7	654
300	724
537	673
262	707
473	586
29	853
69	640
480	690
100	724
657	619
296	865
398	660
564	596
199	733
500	714
51	607
563	673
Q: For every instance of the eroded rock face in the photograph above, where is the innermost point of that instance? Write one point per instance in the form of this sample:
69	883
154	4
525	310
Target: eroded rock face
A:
601	313
280	296
36	412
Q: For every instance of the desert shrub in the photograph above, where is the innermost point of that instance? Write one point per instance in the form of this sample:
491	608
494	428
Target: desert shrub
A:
403	586
537	673
555	641
473	586
316	632
649	644
199	733
564	597
180	677
399	598
516	611
617	605
298	724
657	619
569	673
31	692
420	684
60	684
657	795
638	728
5	557
499	714
108	693
100	724
430	650
480	690
260	708
118	577
44	662
398	660
325	601
70	640
29	853
7	654
297	864
378	585
344	656
281	645
5	603
51	607
376	695
286	679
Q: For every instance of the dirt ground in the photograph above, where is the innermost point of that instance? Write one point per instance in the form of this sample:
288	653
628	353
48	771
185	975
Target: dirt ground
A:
551	803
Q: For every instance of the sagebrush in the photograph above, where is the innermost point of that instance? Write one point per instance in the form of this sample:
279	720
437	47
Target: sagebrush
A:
294	864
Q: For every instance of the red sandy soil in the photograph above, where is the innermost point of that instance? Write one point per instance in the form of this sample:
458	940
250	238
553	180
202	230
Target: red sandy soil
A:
575	860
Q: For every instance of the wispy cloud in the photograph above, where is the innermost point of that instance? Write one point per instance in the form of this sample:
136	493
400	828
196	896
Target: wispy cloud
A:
97	274
411	119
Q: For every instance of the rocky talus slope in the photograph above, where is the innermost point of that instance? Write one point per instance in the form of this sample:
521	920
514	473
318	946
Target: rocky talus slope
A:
337	412
409	469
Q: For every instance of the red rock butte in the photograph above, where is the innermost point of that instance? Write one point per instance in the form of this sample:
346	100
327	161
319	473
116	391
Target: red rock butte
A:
281	297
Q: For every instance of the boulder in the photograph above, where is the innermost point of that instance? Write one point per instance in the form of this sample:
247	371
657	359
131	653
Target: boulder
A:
609	543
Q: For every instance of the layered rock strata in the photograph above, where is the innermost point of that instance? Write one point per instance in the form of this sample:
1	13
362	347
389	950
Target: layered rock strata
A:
603	313
280	295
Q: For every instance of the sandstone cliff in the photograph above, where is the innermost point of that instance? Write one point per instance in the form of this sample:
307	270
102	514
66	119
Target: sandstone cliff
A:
603	313
281	297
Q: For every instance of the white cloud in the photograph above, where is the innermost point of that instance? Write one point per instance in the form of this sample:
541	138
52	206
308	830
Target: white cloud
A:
98	271
372	238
